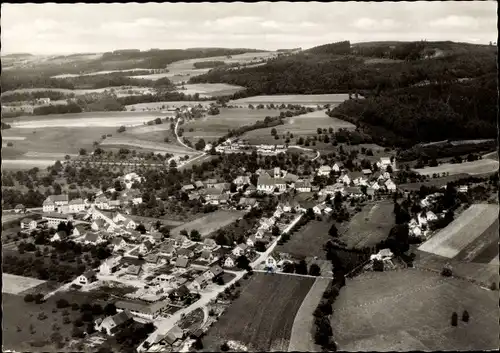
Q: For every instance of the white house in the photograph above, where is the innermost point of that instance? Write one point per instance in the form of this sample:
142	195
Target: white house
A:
336	168
230	261
271	263
303	186
318	209
345	179
384	162
109	266
416	231
28	223
48	205
102	202
76	205
111	324
251	240
389	184
118	243
86	278
240	250
324	170
431	216
118	217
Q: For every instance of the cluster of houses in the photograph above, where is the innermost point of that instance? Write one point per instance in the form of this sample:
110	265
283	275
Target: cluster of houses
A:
233	146
210	191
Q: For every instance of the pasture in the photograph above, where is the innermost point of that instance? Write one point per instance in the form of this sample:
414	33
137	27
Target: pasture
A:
301	99
300	126
209	223
210	89
370	226
95	73
120	91
481	166
158	147
303	329
160	106
462	232
411	310
263	315
13	284
308	241
211	127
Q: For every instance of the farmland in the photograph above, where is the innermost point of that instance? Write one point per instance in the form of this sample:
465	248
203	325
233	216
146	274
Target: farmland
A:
462	232
301	338
211	89
165	105
302	99
95	73
308	241
209	223
370	226
263	315
411	310
121	91
300	126
13	284
215	126
481	166
157	147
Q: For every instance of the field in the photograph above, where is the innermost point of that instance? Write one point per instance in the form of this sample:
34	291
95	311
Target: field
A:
301	126
308	241
302	99
481	166
157	147
437	182
263	316
411	310
211	89
209	223
302	335
165	105
120	91
463	231
95	73
370	226
215	126
13	284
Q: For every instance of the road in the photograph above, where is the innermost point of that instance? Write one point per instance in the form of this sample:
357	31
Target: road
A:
163	326
182	164
307	149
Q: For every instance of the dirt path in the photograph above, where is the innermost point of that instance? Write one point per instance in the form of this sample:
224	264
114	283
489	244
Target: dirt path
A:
301	338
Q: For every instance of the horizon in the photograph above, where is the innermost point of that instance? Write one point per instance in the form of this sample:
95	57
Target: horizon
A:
65	29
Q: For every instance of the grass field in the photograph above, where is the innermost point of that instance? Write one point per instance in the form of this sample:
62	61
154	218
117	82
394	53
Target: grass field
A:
212	127
481	166
308	241
302	99
158	147
165	105
95	73
120	91
263	316
370	226
411	310
301	126
437	182
463	231
302	335
13	284
211	89
209	223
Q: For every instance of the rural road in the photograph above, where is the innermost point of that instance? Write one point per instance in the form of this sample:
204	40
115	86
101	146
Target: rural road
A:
166	325
306	149
186	146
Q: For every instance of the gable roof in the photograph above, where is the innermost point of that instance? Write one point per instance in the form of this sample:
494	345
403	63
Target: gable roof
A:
117	241
121	317
181	262
19	207
199	184
206	254
76	202
209	242
134	270
59	198
216	270
181	291
92	237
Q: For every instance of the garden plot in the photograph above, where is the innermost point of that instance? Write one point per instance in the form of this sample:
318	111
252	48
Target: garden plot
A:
471	224
308	241
209	223
13	284
481	166
411	310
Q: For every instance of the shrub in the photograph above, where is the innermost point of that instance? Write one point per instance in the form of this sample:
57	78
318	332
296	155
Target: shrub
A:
454	319
28	298
446	272
62	303
224	347
42	316
465	316
493	286
75	306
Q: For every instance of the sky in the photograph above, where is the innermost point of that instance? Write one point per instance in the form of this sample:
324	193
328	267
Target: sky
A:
90	28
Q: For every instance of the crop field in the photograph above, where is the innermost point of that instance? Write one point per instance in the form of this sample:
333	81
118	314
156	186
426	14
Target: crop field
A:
308	241
211	89
302	335
209	223
481	166
13	284
147	144
462	232
302	99
215	126
370	226
120	91
411	310
301	126
95	73
165	105
263	315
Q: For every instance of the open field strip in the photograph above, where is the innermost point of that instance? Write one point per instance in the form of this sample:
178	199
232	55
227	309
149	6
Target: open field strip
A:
211	89
301	338
302	99
119	90
13	284
48	155
22	164
13	138
155	146
209	223
95	73
473	168
462	231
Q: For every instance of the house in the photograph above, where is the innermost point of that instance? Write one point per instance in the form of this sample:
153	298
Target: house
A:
345	179
93	238
354	191
59	236
53	219
358	178
240	250
48	205
384	162
415	230
79	230
230	261
463	188
188	187
210	183
134	270
199	184
271	263
336	168
251	241
318	209
28	223
215	271
76	205
182	262
112	324
157	237
152	258
199	283
130	224
328	210
145	247
291	178
186	253
109	266
375	186
211	195
182	240
180	293
366	172
147	311
383	255
19	208
209	244
86	278
389	184
102	203
324	170
265	183
167	250
241	180
207	255
260	233
303	186
118	243
99	224
174	335
58	200
223	186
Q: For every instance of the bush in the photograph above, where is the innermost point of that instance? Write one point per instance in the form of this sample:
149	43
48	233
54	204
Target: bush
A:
28	298
465	316
78	323
75	306
62	303
42	316
454	319
224	347
493	286
446	272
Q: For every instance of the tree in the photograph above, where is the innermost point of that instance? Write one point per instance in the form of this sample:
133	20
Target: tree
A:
198	344
62	303
334	232
110	309
28	298
454	319
121	129
301	268
275	231
195	235
446	271
224	347
378	265
141	228
200	145
465	316
243	262
288	267
319	131
83	152
273	132
314	270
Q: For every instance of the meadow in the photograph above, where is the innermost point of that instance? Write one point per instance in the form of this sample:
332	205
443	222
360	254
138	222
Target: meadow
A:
209	223
481	166
301	99
411	310
120	91
160	106
308	241
211	89
158	147
13	284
